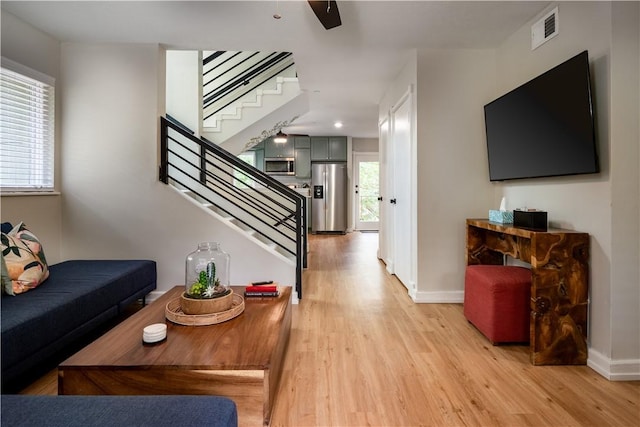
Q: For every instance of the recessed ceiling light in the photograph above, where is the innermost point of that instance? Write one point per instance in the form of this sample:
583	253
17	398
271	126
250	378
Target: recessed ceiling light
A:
338	124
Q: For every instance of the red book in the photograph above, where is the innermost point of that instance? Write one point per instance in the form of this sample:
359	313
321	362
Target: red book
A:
261	294
263	288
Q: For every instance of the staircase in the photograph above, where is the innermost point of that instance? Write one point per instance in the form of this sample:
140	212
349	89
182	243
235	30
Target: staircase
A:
241	196
246	93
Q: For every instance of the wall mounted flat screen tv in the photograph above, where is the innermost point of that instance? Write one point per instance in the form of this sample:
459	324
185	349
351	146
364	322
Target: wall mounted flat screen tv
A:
544	127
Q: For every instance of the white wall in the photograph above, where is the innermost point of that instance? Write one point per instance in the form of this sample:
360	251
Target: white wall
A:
407	77
184	87
453	183
604	205
113	204
365	145
29	46
625	179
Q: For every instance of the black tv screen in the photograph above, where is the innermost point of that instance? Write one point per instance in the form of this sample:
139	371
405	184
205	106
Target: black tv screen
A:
544	127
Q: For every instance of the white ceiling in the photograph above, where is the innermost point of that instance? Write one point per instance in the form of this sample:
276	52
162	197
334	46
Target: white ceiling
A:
345	70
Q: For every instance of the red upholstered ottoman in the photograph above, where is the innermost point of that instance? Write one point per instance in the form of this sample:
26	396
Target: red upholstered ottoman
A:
496	301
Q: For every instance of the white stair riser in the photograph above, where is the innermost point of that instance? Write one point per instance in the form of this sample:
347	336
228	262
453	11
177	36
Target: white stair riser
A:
243	229
241	113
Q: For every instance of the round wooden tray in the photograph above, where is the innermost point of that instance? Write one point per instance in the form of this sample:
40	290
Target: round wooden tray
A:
174	313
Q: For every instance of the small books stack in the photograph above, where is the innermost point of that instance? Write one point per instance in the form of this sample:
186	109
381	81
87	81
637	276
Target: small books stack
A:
261	290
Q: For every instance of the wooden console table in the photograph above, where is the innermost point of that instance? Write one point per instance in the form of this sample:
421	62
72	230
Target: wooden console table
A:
559	284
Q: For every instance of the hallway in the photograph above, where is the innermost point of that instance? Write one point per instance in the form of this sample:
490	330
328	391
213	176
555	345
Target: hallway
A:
362	353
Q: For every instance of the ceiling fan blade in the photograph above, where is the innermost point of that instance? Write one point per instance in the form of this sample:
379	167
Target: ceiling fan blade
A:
327	12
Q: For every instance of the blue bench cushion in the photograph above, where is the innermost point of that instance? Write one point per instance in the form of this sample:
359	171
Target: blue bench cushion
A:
77	295
108	411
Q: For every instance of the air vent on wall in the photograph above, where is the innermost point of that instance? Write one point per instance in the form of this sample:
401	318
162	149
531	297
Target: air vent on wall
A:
545	29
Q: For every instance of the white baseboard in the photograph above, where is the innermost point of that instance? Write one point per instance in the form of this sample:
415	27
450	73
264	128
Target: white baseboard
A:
439	297
389	266
153	295
614	370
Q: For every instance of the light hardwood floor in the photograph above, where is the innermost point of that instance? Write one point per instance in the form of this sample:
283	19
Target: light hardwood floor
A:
362	353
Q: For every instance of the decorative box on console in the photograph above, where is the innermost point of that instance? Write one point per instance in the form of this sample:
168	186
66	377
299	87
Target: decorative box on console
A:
503	217
531	219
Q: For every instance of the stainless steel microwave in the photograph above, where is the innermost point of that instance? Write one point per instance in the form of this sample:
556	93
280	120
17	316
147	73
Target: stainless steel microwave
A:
280	166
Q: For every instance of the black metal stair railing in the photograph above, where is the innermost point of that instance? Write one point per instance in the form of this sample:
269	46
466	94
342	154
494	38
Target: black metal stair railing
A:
255	202
232	75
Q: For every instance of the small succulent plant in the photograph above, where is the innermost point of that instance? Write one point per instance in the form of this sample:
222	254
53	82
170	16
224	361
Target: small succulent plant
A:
207	286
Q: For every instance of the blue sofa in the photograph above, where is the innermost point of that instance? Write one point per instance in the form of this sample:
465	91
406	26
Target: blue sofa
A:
108	411
78	298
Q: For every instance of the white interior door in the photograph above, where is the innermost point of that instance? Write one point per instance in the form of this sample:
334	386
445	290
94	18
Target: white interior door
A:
366	191
388	211
383	133
400	201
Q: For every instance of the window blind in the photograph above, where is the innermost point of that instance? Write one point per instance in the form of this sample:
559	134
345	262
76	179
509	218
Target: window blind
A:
26	131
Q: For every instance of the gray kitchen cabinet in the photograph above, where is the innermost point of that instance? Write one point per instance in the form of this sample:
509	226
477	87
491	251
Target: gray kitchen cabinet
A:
319	148
338	148
303	163
303	156
282	150
333	148
302	142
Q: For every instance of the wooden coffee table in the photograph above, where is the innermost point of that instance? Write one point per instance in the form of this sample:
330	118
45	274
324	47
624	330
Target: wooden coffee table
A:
241	358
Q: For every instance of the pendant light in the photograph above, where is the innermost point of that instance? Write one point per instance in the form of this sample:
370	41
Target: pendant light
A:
277	14
280	138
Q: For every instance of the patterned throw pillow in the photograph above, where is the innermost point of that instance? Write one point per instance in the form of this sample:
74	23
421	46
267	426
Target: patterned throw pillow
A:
6	280
23	261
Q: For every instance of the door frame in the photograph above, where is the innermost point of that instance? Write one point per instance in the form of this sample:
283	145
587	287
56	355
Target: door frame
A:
383	137
361	156
390	222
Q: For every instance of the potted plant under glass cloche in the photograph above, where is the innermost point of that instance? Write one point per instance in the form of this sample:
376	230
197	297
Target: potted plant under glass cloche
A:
207	288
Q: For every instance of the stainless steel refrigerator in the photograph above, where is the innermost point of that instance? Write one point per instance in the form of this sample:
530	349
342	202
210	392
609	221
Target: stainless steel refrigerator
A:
328	197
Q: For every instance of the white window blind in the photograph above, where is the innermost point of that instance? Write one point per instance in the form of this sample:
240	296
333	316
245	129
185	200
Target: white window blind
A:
26	129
